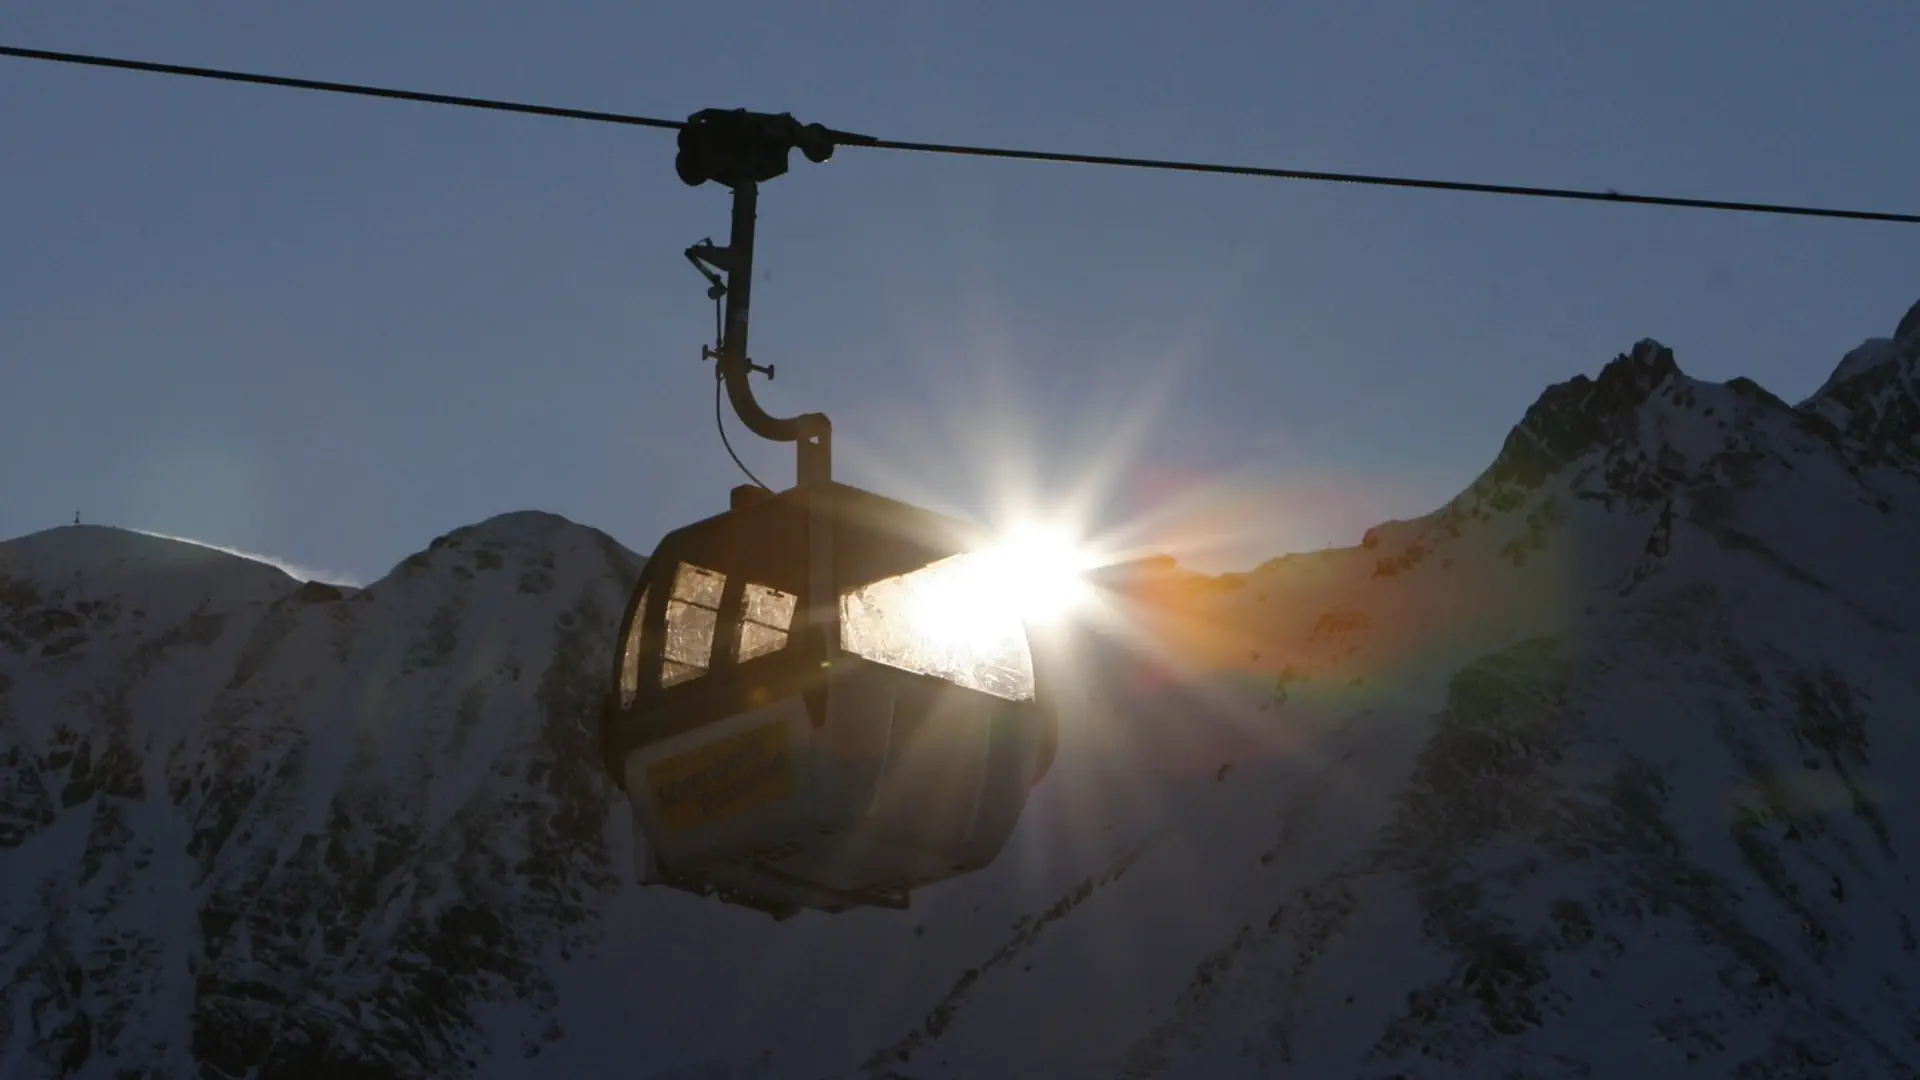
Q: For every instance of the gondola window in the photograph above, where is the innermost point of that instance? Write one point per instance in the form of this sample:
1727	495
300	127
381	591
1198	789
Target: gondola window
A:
693	613
947	620
630	653
765	621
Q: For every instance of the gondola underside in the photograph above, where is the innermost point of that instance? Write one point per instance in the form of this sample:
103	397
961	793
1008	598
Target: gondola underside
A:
909	781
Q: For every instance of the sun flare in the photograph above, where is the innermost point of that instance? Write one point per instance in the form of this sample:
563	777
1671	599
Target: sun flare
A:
1036	570
1031	575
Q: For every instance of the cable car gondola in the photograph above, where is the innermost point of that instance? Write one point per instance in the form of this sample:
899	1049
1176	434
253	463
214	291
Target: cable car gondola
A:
822	698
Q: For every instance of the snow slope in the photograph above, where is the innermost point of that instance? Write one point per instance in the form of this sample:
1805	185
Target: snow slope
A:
1600	768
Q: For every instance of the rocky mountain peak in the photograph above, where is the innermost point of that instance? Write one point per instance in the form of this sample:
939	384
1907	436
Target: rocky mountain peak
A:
58	553
1643	428
1909	327
1872	399
1572	417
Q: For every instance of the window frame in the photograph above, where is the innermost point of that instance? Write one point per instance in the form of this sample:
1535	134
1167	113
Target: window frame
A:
729	630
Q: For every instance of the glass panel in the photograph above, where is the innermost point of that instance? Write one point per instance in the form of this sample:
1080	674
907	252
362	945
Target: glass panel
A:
690	633
692	615
757	640
698	585
770	607
946	620
630	653
767	618
673	673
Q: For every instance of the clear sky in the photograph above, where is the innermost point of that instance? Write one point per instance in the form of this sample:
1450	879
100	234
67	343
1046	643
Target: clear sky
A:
329	329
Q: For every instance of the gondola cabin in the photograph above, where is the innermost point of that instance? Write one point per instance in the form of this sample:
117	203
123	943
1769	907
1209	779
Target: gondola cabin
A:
820	700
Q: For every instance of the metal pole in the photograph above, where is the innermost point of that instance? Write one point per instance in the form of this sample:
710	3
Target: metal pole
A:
813	432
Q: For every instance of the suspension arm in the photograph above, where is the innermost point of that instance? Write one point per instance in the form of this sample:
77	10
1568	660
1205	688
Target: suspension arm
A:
741	150
735	365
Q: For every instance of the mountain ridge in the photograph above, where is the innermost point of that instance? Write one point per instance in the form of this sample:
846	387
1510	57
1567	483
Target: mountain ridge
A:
1610	742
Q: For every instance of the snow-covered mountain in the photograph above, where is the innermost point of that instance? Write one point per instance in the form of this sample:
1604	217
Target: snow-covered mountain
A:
1598	770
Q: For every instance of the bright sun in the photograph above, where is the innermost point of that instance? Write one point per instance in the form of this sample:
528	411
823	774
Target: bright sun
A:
974	605
1037	571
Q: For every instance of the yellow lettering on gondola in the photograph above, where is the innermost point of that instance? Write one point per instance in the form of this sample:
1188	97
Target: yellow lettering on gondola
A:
723	779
